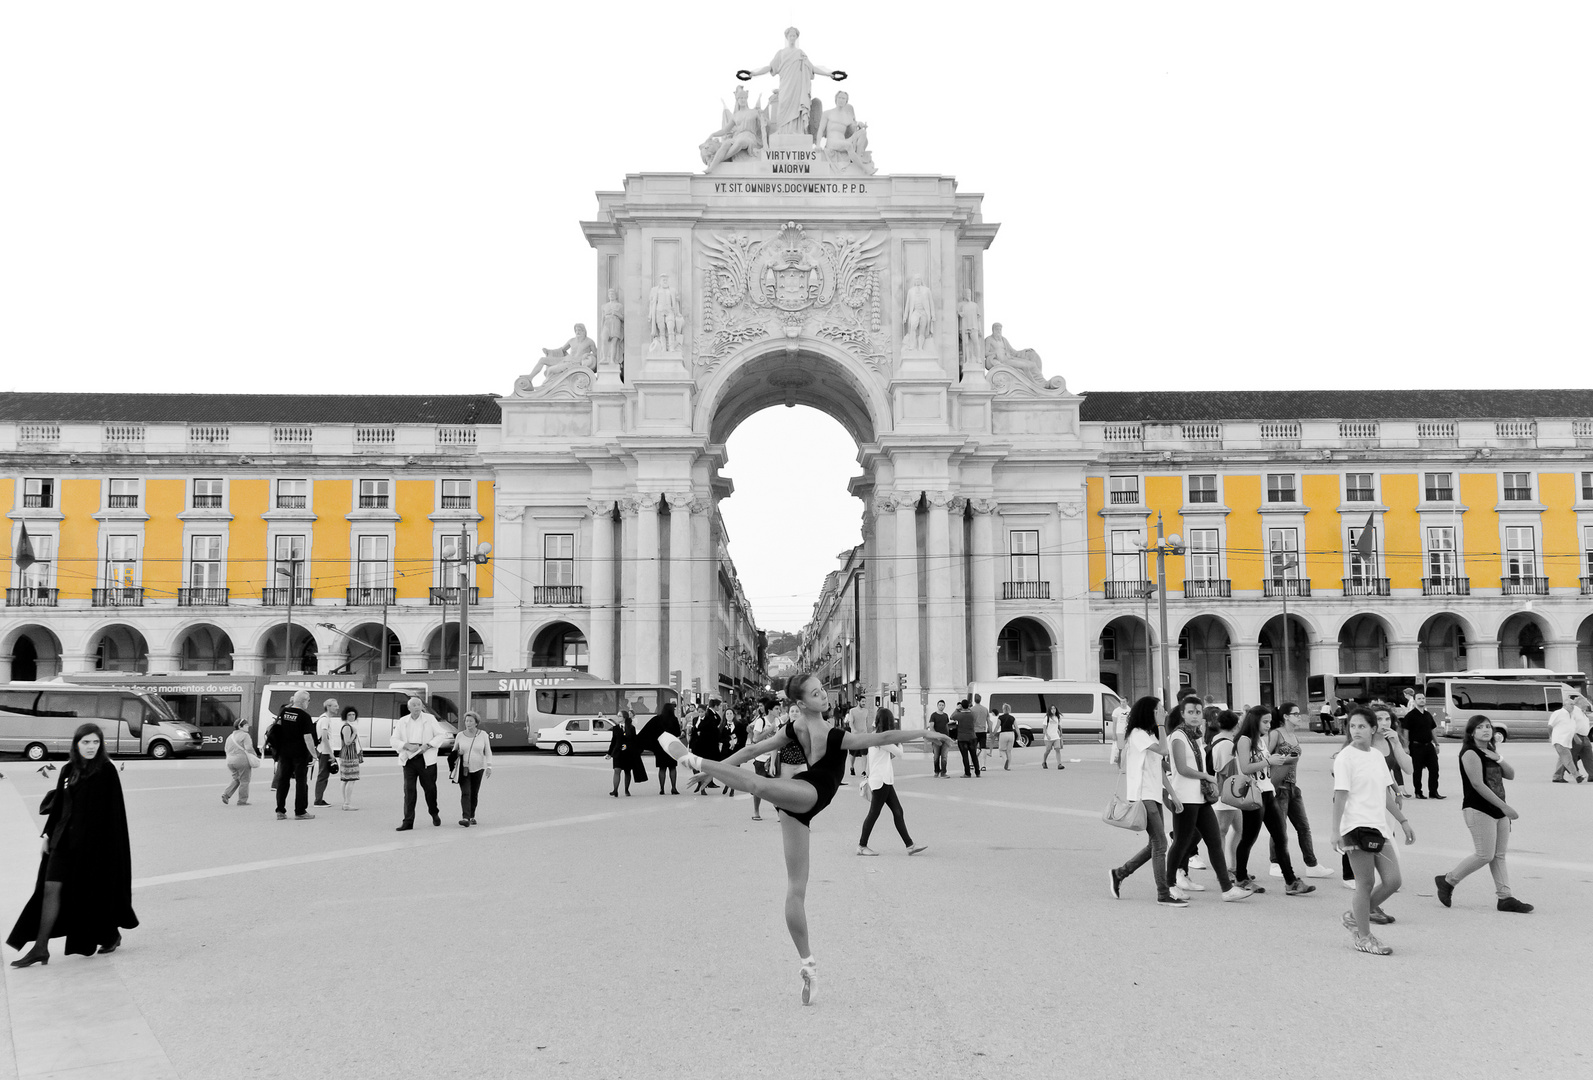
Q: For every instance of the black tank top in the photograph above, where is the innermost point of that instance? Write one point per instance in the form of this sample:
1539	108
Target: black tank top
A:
833	761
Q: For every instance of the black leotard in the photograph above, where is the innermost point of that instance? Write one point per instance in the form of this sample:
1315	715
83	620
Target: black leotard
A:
824	778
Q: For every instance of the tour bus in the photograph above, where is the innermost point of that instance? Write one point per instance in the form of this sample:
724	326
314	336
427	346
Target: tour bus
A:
39	718
502	699
376	709
1086	707
1518	706
211	701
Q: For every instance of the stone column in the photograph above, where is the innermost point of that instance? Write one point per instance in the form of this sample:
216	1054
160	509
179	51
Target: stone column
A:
1560	655
947	674
705	576
649	613
680	592
600	599
625	608
1246	674
881	584
1402	656
1483	653
983	571
1324	660
909	658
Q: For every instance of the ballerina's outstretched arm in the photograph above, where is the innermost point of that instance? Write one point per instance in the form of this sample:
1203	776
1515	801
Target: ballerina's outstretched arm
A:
862	741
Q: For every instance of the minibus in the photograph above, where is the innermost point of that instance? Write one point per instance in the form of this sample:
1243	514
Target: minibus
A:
38	719
1086	707
1518	708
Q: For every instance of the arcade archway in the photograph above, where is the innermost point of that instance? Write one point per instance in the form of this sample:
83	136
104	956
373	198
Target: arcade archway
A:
204	648
121	648
35	654
1024	648
559	644
442	648
303	654
1363	644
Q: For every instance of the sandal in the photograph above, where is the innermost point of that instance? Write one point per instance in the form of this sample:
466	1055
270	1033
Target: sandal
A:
1370	944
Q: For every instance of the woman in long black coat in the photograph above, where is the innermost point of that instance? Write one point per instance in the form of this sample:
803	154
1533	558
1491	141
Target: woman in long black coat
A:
85	886
663	723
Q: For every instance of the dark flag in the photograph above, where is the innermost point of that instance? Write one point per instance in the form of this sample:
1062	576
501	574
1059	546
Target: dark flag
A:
24	556
1366	543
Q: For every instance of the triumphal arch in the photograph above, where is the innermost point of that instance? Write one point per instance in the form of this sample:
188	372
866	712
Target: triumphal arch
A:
789	269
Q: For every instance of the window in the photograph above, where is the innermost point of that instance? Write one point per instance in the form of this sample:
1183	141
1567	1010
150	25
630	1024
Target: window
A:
372	570
373	494
1521	552
1205	557
1203	488
289	556
1440	487
207	494
1124	490
124	494
1587	550
1025	553
1280	488
456	494
1587	487
38	493
448	564
1443	560
293	494
121	561
1283	554
1109	644
37	575
1518	487
1358	487
558	559
1126	557
204	567
1362	567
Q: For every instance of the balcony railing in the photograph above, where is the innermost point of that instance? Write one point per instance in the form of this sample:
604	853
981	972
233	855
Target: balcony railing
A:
279	597
449	595
1025	590
367	596
1587	586
562	595
292	502
1285	587
1446	586
1127	590
373	502
119	596
1125	498
208	596
207	502
456	502
1525	586
1366	586
37	502
122	502
32	596
1207	588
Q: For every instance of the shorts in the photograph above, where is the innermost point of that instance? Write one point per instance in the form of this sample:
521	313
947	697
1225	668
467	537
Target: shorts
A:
1007	739
984	740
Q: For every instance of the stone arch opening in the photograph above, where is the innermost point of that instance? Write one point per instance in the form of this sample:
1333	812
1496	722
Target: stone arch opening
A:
120	647
794	373
364	655
1441	643
1127	659
1521	639
559	644
35	654
1584	645
204	648
442	649
1203	658
1024	648
1278	685
303	653
1363	644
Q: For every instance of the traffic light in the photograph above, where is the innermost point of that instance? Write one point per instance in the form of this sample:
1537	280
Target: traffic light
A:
901	684
696	685
674	680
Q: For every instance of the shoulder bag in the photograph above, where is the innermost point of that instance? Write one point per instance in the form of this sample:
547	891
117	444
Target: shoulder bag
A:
1240	793
1124	813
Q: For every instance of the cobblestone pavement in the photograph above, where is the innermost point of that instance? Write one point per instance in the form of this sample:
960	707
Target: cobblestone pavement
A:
574	935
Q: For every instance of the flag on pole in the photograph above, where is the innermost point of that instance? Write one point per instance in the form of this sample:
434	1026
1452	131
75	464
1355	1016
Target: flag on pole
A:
1366	543
24	555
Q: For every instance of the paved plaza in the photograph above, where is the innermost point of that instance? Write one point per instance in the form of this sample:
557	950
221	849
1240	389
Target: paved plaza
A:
573	935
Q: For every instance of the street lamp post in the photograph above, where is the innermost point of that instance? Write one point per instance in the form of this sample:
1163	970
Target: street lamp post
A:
1147	590
466	559
1287	563
1165	545
288	571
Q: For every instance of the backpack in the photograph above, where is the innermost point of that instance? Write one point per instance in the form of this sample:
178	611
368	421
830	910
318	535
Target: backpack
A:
1227	770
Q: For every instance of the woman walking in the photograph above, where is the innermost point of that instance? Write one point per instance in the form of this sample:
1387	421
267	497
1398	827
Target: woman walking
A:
1250	754
84	890
1363	799
1196	821
1482	776
880	785
1283	740
241	761
1219	763
1144	751
1008	727
350	755
664	723
474	747
1053	737
625	749
823	752
1386	742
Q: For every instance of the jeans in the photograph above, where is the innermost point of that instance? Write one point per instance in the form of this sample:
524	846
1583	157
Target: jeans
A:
1424	756
1581	751
970	752
295	772
1490	839
240	783
885	795
940	759
323	773
1292	806
1154	852
417	769
1270	816
470	791
1197	821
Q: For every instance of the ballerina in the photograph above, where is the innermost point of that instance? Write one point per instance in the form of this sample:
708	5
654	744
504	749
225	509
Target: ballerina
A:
798	798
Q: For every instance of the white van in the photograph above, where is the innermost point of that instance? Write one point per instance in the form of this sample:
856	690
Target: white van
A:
1518	708
1086	707
39	719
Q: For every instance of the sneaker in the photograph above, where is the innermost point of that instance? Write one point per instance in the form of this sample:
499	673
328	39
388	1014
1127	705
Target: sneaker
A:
1348	919
1116	884
1370	944
282	815
917	848
322	803
1446	891
1510	903
404	828
861	850
465	822
1299	888
1172	900
1195	861
1189	886
1177	893
1318	871
1562	780
1348	884
303	817
1236	893
810	983
436	819
1380	917
1250	883
1274	870
224	799
472	820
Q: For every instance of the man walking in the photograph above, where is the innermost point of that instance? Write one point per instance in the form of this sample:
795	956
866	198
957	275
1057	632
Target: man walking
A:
967	739
941	724
1569	728
416	737
981	717
292	742
1416	728
326	730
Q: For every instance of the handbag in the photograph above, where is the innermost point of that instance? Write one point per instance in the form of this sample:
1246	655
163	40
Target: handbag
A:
1125	813
1239	793
1368	839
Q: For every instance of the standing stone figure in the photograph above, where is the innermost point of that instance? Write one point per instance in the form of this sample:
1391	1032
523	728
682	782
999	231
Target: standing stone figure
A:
845	138
999	351
968	331
919	316
612	330
789	114
663	316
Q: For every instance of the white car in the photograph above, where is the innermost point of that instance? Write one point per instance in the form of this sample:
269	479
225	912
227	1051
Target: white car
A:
576	736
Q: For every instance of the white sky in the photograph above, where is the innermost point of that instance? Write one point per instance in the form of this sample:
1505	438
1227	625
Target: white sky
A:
337	196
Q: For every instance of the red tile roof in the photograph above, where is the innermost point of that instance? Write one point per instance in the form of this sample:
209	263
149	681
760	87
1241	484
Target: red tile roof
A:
1173	406
251	408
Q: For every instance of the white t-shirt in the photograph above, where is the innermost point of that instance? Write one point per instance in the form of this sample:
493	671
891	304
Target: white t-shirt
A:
1186	788
881	767
326	733
1561	727
1143	766
1364	774
1583	726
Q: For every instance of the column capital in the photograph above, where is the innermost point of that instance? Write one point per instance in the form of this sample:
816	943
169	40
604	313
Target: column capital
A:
678	500
886	502
957	504
702	506
938	498
983	506
599	507
630	505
